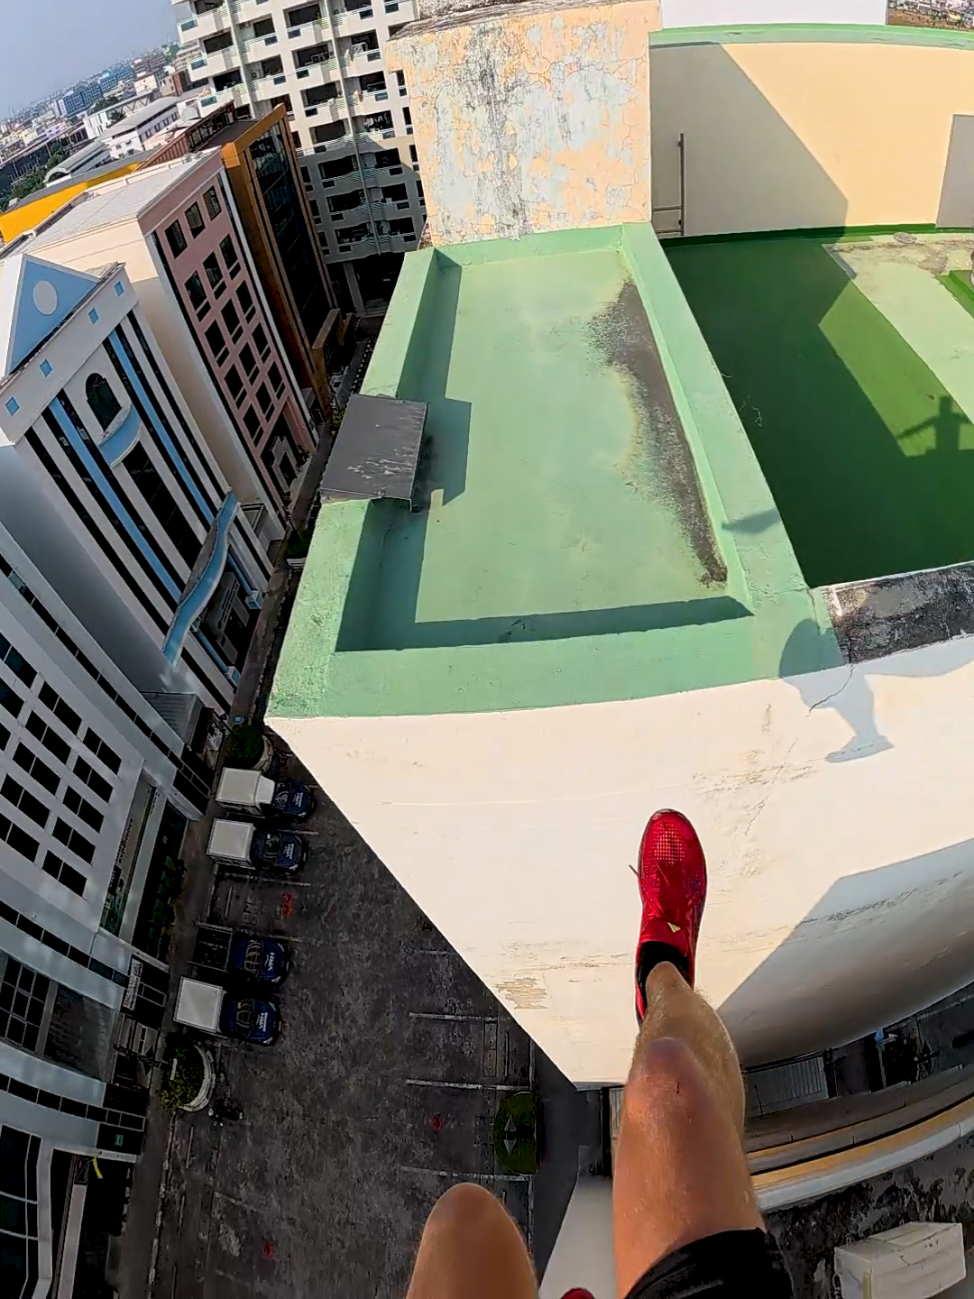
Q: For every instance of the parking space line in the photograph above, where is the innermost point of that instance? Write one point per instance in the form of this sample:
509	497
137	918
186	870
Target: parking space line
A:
460	1019
463	1086
482	1179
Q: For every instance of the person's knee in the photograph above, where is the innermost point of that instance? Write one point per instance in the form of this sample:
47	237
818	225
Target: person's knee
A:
466	1208
666	1078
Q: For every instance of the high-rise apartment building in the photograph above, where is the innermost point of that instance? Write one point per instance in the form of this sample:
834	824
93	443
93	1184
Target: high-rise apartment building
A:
349	116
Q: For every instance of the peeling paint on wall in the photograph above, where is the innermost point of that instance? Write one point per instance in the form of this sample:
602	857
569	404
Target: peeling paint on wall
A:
531	117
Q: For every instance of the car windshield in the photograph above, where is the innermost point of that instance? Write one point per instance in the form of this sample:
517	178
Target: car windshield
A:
272	844
245	1013
251	961
282	796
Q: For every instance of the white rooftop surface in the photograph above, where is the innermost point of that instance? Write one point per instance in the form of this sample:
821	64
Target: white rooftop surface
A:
199	1005
139	117
118	201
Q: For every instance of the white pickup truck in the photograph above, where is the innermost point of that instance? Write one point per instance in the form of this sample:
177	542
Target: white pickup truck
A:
253	794
211	1009
241	843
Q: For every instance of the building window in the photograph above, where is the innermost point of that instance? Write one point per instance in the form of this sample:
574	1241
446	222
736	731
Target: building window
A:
71	839
212	200
260	339
87	774
162	503
102	401
46	369
16	662
277	381
65	874
17	796
23	994
50	739
213	273
246	300
175	238
231	319
248	361
50	698
252	423
194	219
264	399
230	257
40	771
19	840
13	405
10	700
235	384
82	809
195	291
93	316
412	153
101	750
214	338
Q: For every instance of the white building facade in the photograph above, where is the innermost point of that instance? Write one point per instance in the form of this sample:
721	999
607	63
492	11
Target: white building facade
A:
350	116
91	821
108	484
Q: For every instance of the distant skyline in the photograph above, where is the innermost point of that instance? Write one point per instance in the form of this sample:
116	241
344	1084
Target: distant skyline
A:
44	47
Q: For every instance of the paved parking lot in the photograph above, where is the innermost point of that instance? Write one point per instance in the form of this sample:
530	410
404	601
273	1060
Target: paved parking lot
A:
379	1094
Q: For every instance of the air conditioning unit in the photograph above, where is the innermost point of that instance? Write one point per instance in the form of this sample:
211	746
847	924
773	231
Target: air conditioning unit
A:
910	1262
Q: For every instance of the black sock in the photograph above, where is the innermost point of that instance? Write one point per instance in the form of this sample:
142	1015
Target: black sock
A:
651	954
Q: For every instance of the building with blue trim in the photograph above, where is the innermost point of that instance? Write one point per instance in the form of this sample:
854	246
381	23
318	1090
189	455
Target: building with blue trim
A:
106	481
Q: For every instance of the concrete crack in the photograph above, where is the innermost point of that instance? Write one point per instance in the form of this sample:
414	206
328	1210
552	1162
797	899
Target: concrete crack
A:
835	693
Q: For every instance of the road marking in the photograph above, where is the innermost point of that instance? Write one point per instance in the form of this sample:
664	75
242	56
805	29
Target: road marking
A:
467	1177
463	1086
460	1019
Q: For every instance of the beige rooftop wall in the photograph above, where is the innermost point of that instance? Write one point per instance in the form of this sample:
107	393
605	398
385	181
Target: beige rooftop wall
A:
531	117
781	135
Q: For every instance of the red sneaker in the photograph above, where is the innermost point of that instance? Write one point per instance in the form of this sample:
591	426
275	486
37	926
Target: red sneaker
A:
673	888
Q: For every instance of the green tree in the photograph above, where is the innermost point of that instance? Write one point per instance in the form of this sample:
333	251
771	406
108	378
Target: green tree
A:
34	180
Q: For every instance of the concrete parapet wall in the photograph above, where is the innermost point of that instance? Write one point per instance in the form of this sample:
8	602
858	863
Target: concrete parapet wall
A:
531	117
809	128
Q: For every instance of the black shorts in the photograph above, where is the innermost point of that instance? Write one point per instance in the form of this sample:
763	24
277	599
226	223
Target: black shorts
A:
732	1263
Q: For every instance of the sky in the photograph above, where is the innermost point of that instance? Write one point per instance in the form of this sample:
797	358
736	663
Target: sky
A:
51	44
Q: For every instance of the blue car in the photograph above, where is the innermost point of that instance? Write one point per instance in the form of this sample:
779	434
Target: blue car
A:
263	959
250	1019
292	800
278	849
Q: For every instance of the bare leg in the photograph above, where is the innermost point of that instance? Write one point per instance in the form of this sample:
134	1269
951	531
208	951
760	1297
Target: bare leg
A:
471	1249
680	1173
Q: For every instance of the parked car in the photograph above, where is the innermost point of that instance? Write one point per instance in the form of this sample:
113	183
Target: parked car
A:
241	843
211	1009
262	959
251	1019
252	794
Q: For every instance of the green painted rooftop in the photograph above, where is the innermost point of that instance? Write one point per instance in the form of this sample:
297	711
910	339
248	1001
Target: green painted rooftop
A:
625	493
593	522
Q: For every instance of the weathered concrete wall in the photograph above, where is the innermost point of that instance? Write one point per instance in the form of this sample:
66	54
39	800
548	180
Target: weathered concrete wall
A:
531	117
782	134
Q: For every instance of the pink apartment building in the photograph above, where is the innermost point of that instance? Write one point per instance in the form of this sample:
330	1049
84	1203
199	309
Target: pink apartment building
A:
177	230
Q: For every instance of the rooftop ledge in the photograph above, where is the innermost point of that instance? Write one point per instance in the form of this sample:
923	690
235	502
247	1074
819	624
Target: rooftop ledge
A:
589	499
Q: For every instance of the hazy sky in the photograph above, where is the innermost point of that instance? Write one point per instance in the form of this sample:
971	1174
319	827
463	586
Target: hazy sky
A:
46	44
